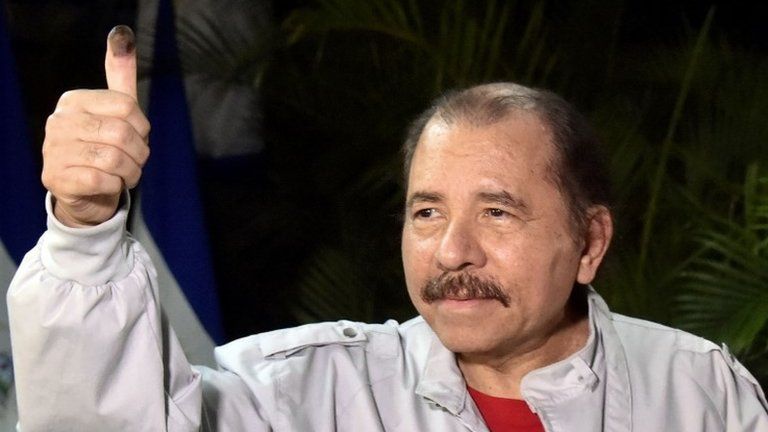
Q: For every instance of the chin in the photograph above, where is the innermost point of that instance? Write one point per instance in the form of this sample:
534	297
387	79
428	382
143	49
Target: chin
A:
471	347
470	339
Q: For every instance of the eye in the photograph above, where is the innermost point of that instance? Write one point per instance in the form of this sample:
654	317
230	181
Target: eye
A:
425	213
496	213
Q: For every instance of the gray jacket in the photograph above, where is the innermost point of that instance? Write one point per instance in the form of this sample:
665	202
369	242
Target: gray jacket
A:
92	353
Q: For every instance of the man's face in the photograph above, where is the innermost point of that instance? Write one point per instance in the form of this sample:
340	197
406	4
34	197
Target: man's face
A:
482	207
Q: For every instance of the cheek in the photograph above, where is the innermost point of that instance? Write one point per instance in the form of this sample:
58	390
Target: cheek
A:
514	256
418	254
415	255
535	263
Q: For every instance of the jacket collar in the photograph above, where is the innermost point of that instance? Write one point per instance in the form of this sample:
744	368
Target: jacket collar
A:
618	399
442	381
443	384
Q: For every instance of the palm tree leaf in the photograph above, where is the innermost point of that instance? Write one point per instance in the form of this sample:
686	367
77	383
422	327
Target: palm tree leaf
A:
724	289
331	289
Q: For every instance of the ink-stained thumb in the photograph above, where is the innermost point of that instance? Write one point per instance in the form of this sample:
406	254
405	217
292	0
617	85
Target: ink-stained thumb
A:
120	61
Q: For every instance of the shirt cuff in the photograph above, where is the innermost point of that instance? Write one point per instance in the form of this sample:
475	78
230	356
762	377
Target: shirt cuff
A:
89	256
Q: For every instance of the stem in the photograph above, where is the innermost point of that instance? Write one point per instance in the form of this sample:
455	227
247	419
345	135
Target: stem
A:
658	178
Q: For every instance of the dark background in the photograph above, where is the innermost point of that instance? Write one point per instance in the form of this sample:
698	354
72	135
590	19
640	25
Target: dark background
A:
307	228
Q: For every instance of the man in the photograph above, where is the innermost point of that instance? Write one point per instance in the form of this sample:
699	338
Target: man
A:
506	224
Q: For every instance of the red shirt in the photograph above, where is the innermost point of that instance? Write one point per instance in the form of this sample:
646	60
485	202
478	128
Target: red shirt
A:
506	415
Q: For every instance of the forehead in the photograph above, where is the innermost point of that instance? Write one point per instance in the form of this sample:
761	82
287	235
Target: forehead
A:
517	149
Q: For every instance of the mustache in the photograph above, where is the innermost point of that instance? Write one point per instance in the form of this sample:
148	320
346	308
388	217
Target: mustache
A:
463	286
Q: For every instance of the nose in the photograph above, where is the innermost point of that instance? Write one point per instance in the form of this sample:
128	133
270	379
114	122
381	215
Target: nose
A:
459	248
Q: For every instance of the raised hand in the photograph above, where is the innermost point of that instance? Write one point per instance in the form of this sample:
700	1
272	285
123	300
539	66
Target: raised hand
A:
96	141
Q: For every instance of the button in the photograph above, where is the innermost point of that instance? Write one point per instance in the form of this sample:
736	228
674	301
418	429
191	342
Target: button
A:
349	332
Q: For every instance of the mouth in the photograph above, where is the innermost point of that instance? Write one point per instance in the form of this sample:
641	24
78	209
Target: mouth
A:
460	298
463	289
465	298
465	305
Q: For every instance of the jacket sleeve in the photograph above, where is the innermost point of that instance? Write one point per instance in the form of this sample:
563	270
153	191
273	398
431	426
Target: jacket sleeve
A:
742	402
91	350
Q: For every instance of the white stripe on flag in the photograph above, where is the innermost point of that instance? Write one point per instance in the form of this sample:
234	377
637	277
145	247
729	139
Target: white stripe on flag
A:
8	415
197	345
7	269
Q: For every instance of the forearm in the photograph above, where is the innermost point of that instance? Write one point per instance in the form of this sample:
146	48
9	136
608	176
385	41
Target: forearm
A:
88	341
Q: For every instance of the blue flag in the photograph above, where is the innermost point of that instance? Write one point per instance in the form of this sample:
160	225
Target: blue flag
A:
22	211
169	196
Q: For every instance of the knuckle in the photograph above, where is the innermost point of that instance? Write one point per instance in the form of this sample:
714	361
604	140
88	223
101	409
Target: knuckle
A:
124	105
145	127
52	123
90	179
46	149
66	98
92	124
91	152
112	184
120	132
144	155
53	180
110	159
133	178
47	179
70	98
94	154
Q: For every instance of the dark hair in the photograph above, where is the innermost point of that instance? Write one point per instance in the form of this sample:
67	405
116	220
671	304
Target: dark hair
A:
578	170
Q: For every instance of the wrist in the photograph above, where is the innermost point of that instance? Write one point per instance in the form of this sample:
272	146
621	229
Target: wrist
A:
63	214
87	254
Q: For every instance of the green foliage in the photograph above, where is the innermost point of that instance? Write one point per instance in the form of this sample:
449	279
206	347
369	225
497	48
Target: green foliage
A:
724	285
666	147
464	44
683	124
333	287
677	178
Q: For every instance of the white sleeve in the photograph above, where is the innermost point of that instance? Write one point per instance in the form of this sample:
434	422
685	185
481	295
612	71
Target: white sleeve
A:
742	400
91	350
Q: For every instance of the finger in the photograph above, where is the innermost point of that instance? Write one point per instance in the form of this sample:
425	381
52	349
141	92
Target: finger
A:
120	61
84	181
116	133
77	128
109	160
105	158
105	103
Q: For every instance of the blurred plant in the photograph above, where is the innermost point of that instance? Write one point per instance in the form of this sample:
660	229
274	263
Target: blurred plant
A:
724	285
646	175
667	172
681	122
704	270
402	59
360	276
464	44
666	146
333	287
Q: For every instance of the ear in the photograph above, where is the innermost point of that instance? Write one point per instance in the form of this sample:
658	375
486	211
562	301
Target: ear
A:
596	241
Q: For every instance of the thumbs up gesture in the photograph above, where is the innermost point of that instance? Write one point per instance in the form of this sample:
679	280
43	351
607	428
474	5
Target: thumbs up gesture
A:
96	141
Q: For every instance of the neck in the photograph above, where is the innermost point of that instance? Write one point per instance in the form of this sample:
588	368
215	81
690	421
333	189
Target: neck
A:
500	374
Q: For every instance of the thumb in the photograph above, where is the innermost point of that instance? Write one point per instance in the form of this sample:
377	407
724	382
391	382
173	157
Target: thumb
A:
120	61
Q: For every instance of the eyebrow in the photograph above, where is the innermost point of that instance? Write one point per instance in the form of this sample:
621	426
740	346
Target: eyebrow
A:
506	199
429	197
502	198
